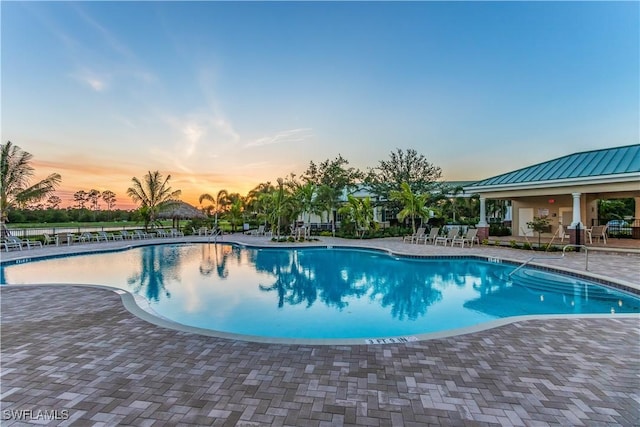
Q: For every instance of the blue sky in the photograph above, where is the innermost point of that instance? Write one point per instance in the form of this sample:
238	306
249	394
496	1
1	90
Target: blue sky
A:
228	95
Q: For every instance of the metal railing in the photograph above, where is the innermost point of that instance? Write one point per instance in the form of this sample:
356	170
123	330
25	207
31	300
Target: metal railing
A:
214	233
564	249
24	233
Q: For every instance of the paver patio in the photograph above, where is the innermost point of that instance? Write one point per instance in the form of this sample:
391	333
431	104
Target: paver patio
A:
78	351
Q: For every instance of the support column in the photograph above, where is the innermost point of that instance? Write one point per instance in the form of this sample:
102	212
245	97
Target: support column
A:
577	222
635	225
482	226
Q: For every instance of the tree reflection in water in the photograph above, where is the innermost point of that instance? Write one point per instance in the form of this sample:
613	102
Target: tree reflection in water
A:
335	276
157	263
221	256
294	284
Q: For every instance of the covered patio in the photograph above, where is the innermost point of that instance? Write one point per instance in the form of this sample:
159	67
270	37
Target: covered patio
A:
566	191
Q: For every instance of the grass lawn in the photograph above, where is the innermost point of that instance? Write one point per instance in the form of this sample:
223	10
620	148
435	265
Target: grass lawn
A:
165	223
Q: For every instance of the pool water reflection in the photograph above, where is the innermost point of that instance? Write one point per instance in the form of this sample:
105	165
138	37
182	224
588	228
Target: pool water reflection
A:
323	293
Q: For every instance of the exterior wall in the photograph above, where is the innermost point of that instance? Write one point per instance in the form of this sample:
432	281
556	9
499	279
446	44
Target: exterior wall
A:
549	206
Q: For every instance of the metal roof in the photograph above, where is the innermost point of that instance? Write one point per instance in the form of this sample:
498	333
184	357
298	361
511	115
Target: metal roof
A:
608	161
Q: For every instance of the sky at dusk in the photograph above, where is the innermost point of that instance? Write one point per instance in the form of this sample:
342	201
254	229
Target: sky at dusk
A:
226	95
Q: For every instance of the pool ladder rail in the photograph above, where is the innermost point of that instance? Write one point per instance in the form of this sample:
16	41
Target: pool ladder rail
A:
564	249
214	233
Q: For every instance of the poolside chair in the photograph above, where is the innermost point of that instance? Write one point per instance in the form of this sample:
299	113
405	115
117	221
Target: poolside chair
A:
87	237
469	237
453	232
28	243
431	237
176	233
161	233
414	237
141	234
126	235
8	244
598	232
103	236
48	239
258	232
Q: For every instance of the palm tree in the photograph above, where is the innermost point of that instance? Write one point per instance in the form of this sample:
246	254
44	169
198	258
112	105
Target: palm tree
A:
152	192
235	213
277	204
15	171
414	204
358	211
218	202
327	200
305	194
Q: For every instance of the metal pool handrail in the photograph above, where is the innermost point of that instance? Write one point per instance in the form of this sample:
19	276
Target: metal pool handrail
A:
586	251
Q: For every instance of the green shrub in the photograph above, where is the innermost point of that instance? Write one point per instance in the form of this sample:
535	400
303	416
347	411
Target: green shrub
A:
499	230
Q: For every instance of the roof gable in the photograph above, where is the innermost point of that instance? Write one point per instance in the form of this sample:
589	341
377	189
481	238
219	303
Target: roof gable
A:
604	162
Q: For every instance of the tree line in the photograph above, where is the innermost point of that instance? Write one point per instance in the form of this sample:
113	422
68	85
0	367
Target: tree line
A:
406	185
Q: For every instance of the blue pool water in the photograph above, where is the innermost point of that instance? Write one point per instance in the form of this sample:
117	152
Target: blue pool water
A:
323	292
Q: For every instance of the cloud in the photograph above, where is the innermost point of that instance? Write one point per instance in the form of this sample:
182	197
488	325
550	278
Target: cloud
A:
92	79
286	136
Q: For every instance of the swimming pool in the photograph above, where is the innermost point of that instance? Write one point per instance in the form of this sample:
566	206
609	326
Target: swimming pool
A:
320	293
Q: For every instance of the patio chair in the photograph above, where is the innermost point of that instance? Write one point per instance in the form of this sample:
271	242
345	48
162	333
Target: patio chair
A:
126	235
161	233
598	232
8	244
469	237
48	239
87	237
453	231
431	237
103	236
176	233
28	243
258	232
419	234
141	234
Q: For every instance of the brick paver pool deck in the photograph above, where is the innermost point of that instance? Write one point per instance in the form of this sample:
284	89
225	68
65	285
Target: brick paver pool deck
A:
78	351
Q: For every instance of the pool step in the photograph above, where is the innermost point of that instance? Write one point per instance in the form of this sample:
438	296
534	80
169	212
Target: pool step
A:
544	282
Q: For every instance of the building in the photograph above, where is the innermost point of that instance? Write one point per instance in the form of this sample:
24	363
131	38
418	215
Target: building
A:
565	190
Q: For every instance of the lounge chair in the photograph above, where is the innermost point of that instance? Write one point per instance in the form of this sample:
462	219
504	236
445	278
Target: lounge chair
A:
28	243
419	234
126	235
431	237
176	233
469	237
87	237
598	232
258	232
161	233
9	244
141	234
104	236
453	232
